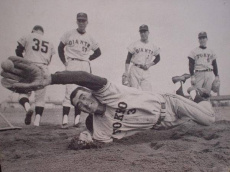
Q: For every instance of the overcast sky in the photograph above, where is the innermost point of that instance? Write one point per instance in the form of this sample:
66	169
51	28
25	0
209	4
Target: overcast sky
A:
173	24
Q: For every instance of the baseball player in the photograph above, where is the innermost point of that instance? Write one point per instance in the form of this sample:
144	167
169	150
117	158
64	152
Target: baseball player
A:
74	50
118	111
143	54
39	50
202	64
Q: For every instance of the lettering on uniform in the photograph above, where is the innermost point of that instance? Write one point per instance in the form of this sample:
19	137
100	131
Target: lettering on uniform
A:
81	42
119	115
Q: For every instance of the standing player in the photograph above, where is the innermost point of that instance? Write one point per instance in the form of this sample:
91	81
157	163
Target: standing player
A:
38	50
202	64
143	54
74	50
118	111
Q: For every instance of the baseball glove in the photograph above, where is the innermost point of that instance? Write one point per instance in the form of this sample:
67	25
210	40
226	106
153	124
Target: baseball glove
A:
84	141
24	76
125	80
216	85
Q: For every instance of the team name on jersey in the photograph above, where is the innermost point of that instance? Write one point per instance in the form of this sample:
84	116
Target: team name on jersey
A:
208	56
120	112
80	42
138	50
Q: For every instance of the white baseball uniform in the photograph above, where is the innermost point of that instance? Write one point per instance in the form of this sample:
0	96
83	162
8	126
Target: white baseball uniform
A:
129	110
142	54
77	50
40	51
203	61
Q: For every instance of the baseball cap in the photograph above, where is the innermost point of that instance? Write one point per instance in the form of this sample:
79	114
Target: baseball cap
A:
82	16
143	28
38	27
202	34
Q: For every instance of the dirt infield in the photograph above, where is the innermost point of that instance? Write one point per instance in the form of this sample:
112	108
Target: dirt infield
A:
185	148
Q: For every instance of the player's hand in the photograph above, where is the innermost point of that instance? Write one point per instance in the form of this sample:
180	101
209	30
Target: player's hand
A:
66	63
193	80
24	76
216	84
125	79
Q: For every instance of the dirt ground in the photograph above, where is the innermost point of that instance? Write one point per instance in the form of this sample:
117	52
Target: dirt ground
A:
45	148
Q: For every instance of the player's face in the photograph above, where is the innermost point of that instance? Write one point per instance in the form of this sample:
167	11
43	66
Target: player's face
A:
203	41
85	102
144	35
82	24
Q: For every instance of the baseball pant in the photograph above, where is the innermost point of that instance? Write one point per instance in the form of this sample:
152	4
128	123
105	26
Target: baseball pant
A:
180	109
140	78
74	65
39	95
204	80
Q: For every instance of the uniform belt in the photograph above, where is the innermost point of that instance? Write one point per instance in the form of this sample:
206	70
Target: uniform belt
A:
205	70
69	58
138	65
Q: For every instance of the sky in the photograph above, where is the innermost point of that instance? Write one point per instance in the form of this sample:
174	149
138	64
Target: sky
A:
174	27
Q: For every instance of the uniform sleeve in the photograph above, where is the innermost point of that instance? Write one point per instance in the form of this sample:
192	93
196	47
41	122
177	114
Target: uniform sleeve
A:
156	50
131	48
64	38
95	44
22	41
52	50
192	55
214	57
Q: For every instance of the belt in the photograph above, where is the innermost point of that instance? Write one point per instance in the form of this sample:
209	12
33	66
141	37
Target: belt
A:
69	58
138	65
205	70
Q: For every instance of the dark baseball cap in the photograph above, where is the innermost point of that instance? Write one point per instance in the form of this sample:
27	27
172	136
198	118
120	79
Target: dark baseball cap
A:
202	35
82	16
143	28
38	27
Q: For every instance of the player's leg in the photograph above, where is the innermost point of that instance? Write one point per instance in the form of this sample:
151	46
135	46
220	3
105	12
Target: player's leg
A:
67	105
202	112
146	82
24	101
208	81
199	77
77	113
135	76
39	105
178	83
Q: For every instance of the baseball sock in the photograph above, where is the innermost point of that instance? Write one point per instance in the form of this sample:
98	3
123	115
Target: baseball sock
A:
25	103
77	115
38	110
66	110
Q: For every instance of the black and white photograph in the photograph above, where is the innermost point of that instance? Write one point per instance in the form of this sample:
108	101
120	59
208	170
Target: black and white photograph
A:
115	85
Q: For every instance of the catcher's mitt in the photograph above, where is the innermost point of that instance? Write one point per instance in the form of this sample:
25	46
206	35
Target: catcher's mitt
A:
84	141
216	85
24	76
125	80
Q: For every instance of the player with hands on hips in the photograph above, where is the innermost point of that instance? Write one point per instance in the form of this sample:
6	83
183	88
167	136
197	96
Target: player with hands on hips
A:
117	111
143	54
74	50
39	50
202	65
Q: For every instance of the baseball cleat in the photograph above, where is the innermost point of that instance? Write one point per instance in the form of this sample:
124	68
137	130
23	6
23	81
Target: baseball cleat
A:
37	120
182	78
65	121
29	114
77	121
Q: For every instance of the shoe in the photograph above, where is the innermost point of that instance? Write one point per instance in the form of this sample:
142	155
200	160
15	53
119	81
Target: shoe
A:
201	94
37	120
29	114
77	121
65	121
182	78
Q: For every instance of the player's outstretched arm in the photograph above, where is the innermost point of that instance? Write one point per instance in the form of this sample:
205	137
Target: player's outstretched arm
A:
23	75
